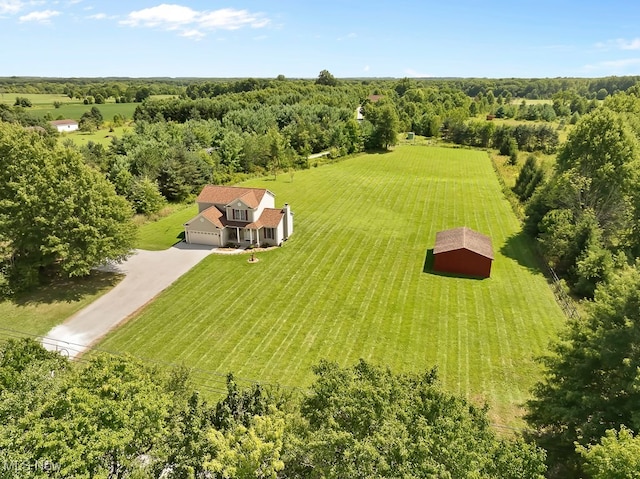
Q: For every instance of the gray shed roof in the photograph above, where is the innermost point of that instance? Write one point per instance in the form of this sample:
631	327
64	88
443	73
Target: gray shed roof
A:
463	238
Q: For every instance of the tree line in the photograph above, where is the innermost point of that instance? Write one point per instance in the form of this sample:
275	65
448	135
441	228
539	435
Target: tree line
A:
584	217
529	88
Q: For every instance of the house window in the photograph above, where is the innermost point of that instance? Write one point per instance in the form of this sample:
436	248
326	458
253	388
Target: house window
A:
269	233
240	215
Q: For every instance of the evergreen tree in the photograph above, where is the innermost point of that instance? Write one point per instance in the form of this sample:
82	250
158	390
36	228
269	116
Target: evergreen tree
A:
529	178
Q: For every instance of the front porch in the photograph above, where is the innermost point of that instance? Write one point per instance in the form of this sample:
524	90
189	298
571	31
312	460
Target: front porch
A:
251	236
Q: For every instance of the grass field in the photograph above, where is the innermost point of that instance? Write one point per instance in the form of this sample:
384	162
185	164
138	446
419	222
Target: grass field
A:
38	311
350	284
102	136
70	108
163	233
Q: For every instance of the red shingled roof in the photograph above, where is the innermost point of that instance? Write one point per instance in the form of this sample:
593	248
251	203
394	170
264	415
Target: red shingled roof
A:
214	215
223	195
270	218
463	238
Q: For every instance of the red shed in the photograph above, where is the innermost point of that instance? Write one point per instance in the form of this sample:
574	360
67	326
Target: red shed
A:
463	251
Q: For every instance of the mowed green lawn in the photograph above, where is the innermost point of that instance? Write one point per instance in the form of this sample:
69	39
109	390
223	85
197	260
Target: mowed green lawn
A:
167	231
350	284
36	312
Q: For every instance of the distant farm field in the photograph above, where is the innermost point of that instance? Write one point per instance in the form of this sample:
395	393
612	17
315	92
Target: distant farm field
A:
103	136
351	284
70	108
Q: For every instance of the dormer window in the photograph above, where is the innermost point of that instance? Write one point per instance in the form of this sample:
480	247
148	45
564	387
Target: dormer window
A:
240	215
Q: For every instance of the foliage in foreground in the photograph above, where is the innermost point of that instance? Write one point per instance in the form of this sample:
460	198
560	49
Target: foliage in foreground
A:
118	417
57	214
617	456
592	378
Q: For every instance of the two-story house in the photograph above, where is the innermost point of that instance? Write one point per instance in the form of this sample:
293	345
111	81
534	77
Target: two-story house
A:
244	216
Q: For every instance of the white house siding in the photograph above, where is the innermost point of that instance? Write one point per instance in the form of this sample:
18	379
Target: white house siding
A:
65	125
279	236
280	233
268	201
288	221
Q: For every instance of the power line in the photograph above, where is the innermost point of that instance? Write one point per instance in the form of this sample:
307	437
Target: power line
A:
202	374
196	374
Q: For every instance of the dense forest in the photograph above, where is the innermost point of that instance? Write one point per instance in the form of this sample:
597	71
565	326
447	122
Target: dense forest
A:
582	214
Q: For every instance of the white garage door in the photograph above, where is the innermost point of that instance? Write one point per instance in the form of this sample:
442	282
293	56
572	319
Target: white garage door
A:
204	237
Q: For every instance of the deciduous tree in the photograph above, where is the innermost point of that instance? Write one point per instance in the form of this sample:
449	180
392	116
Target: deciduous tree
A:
326	78
365	422
591	377
616	456
56	213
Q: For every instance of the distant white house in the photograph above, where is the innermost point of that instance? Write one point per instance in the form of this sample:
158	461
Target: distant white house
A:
65	125
244	216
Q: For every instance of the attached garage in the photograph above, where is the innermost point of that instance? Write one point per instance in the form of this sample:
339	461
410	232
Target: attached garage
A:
204	237
205	229
463	251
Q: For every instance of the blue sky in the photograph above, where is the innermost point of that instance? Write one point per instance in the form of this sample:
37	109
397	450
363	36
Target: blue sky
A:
260	38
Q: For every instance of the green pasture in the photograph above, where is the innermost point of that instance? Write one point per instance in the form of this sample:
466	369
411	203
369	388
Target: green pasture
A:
351	283
528	101
70	108
165	232
74	111
36	312
38	100
102	136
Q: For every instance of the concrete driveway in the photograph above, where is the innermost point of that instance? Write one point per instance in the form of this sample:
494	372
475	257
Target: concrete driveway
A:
147	274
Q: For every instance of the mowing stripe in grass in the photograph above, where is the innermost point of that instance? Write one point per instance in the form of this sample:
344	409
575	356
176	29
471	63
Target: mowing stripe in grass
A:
350	284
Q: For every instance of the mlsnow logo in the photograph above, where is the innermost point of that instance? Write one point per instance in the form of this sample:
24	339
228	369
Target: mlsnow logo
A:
27	466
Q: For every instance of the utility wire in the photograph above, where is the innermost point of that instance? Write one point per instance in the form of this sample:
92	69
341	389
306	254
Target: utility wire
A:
197	374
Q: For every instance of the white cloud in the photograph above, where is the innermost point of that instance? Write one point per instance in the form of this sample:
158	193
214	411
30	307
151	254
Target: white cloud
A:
194	34
629	44
163	15
619	44
621	63
612	67
366	68
348	36
101	16
10	6
43	16
230	19
192	23
410	72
